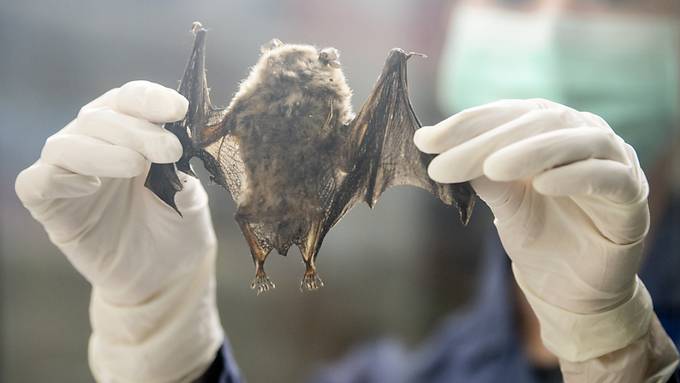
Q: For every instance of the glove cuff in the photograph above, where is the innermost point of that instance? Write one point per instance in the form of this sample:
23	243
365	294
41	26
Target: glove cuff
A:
171	337
578	337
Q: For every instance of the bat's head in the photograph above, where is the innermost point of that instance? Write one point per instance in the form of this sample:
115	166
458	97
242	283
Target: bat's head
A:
301	73
303	61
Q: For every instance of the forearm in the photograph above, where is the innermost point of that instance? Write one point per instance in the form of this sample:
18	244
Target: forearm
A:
172	336
652	358
623	344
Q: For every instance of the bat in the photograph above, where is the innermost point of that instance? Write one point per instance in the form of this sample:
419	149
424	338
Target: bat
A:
291	152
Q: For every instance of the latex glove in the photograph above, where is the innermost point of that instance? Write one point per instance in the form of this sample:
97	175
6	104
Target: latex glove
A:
570	205
153	311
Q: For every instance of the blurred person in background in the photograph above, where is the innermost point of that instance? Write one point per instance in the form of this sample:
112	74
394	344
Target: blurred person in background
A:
568	195
616	59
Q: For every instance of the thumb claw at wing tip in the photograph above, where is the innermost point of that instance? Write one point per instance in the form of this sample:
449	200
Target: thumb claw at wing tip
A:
411	54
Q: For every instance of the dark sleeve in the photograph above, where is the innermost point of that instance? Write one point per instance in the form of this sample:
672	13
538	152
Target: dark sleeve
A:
383	361
223	369
676	377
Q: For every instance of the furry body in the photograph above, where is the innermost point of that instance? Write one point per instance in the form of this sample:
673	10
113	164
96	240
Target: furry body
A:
290	117
291	152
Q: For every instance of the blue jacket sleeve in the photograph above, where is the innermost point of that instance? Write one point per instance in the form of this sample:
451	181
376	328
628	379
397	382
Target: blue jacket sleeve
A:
223	369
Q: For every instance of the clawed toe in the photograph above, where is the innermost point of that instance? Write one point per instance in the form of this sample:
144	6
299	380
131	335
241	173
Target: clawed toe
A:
261	283
310	282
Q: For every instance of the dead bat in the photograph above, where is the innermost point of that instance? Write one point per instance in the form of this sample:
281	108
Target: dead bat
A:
292	153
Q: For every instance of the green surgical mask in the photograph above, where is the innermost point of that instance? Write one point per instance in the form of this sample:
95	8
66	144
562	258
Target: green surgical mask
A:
623	68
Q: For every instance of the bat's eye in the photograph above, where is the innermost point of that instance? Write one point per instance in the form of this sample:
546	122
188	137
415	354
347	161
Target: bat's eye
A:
329	56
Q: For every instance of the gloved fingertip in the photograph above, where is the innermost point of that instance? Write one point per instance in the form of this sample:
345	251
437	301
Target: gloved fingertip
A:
175	149
495	168
22	184
422	138
150	101
134	167
44	182
434	174
163	150
491	172
440	172
182	106
165	104
418	138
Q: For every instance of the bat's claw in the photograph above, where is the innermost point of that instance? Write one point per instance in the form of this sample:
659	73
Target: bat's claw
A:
409	54
261	283
311	281
196	26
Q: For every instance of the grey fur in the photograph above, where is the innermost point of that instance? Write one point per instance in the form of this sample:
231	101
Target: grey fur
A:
291	109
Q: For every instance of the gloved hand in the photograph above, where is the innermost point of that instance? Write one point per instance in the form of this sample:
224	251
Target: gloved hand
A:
153	311
570	205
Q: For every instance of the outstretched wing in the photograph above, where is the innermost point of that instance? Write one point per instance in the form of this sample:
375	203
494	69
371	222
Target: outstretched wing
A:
202	125
382	151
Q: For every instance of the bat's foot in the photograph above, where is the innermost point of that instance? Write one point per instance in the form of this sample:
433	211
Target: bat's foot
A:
261	283
310	281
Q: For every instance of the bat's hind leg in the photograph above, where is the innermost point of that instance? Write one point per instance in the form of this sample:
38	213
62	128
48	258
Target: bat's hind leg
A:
310	280
261	282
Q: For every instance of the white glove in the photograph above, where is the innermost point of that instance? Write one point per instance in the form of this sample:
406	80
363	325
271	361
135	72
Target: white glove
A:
153	311
570	205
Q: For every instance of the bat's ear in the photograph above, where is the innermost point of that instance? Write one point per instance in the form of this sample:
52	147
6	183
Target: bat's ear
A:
273	43
330	56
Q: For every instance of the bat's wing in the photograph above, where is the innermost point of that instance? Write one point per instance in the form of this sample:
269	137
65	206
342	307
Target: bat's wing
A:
201	127
382	152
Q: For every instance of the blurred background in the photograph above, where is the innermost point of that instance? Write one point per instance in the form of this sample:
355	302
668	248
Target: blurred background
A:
397	271
393	271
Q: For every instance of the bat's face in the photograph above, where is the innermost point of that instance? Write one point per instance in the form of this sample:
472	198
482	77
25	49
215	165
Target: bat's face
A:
306	73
